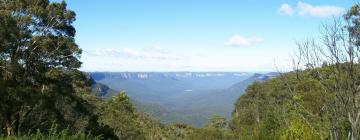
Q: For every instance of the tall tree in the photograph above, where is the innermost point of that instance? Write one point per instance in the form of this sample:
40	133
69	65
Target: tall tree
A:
38	59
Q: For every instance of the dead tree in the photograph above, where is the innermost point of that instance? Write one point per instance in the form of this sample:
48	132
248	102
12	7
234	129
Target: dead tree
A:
334	60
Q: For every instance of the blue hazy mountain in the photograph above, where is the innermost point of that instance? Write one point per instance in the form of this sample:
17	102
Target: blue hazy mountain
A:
187	97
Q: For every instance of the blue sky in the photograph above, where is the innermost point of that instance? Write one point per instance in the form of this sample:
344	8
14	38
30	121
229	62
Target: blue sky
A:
196	35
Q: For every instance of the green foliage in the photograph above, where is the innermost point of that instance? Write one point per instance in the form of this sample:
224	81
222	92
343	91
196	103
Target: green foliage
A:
39	78
287	108
41	86
102	90
218	122
53	134
258	114
119	114
205	134
39	59
299	130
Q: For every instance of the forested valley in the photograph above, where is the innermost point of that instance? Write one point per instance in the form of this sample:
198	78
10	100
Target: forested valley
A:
44	95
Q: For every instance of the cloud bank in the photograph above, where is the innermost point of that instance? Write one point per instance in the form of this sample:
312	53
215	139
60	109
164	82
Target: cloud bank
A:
305	9
154	53
240	41
319	11
286	9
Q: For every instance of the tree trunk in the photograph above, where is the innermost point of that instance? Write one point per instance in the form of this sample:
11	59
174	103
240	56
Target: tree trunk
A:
16	123
9	129
354	126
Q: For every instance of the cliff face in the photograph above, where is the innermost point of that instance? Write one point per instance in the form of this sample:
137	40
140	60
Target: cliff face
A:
151	75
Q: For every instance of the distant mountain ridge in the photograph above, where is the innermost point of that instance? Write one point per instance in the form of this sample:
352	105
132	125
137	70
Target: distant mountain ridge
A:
149	75
241	86
187	97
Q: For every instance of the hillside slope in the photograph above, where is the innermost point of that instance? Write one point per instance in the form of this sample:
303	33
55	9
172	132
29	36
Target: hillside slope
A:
291	106
190	98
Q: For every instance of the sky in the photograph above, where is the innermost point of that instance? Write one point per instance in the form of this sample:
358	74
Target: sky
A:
197	35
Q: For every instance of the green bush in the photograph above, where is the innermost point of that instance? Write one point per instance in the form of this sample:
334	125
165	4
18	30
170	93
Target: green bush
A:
53	134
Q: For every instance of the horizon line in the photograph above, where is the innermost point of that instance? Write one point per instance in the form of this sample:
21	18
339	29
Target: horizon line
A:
179	71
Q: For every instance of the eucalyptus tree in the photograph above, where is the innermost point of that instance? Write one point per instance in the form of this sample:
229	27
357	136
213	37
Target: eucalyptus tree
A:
39	61
338	53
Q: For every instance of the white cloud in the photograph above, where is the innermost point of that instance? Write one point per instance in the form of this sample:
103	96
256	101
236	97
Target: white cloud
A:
319	11
105	52
286	9
129	59
238	40
199	60
157	47
130	52
153	53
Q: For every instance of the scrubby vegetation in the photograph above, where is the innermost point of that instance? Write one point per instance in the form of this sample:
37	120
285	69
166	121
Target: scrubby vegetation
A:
318	100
